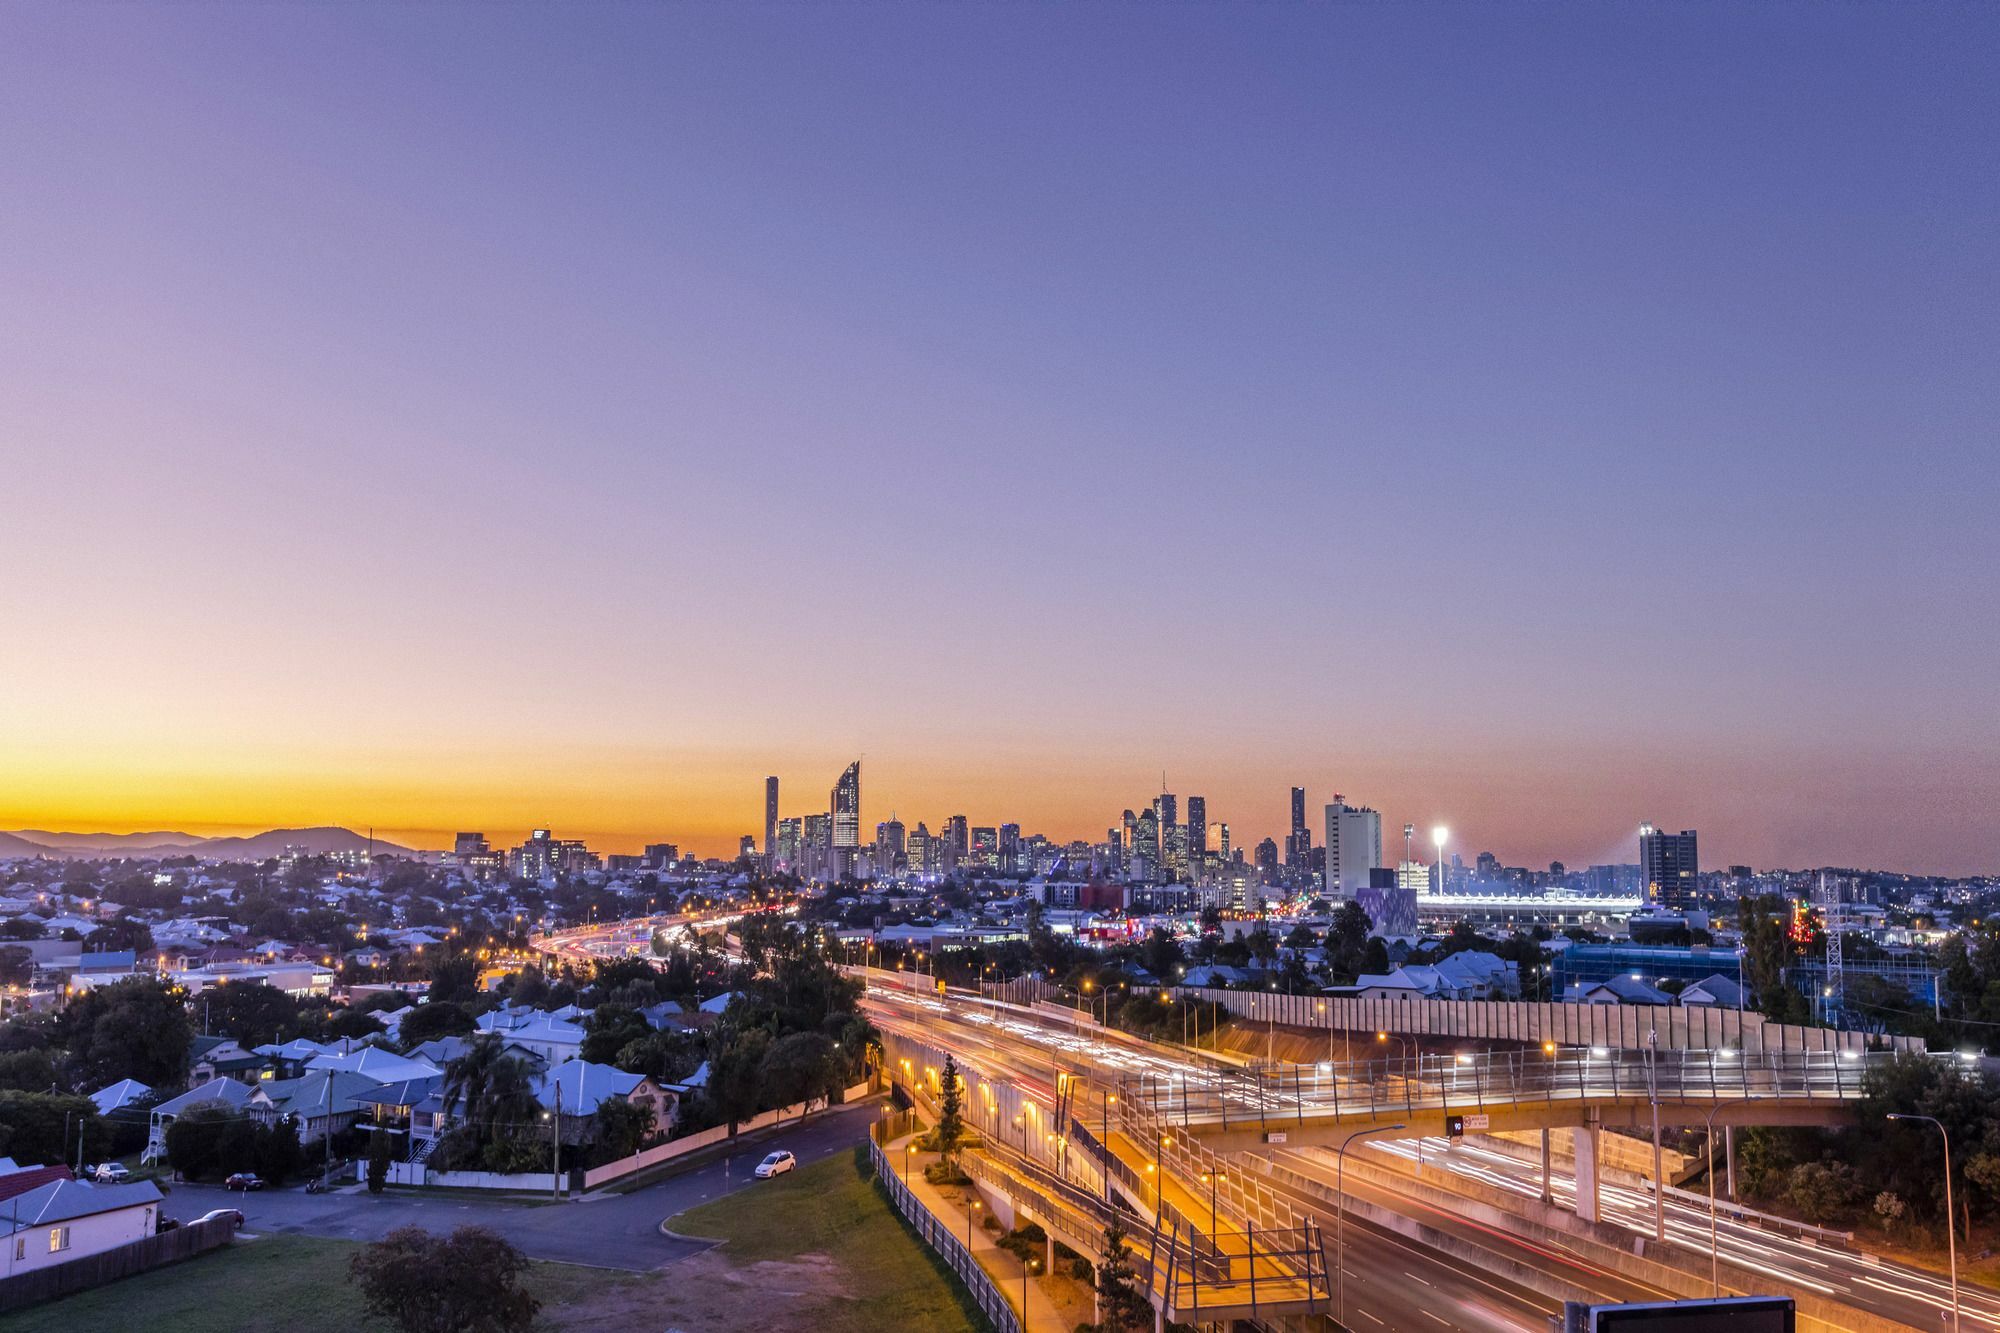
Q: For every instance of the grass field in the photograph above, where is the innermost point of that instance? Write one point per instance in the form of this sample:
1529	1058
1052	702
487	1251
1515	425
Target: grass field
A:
818	1249
832	1208
275	1284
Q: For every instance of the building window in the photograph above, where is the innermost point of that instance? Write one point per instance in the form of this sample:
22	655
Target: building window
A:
58	1239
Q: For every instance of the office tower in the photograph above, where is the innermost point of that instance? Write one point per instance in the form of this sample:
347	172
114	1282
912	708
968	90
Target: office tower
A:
1267	859
1222	854
1353	846
746	848
535	858
1418	876
791	842
770	820
1130	823
846	811
1486	866
816	847
957	842
920	851
1166	810
1669	867
467	845
1144	851
889	845
1112	862
1010	847
660	855
985	853
1298	809
1174	853
1197	836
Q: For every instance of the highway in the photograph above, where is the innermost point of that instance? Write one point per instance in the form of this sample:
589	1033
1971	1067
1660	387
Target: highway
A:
1391	1277
1855	1278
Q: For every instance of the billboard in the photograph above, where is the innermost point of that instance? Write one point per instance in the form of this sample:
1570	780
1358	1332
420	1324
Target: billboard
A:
1732	1314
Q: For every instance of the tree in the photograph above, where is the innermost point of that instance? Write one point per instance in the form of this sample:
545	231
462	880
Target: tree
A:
122	934
1161	954
17	965
353	1024
37	1127
620	1128
439	1018
951	1123
1123	1305
194	1140
137	1028
455	978
378	1162
27	1071
424	1283
495	1089
795	1069
253	1013
1819	1189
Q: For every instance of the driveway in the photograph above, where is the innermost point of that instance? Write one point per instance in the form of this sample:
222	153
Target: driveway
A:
606	1231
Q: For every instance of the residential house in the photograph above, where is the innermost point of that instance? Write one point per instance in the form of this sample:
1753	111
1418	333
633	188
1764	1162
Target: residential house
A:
545	1036
62	1220
1717	990
1616	990
225	1094
574	1090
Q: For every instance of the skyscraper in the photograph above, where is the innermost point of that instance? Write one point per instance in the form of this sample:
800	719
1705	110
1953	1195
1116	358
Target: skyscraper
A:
957	842
1669	867
847	811
1197	837
1353	846
1010	847
889	845
1298	842
770	822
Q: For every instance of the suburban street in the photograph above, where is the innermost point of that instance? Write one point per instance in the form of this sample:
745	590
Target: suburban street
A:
603	1231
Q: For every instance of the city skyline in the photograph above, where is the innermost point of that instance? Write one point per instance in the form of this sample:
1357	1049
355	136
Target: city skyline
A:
1534	421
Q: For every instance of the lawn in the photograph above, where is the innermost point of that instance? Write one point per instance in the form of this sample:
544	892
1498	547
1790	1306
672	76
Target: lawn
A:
832	1209
275	1284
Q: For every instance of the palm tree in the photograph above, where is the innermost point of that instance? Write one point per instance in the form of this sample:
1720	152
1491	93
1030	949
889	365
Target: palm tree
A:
495	1088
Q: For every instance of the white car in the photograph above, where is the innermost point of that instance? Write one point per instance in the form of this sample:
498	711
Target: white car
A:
776	1165
112	1173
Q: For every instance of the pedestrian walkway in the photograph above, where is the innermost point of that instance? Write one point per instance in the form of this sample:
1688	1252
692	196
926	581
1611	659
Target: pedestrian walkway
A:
1005	1270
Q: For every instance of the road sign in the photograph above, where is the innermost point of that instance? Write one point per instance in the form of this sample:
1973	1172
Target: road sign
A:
1476	1122
1734	1314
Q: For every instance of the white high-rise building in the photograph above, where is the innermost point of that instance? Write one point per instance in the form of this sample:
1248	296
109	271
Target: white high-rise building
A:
1353	847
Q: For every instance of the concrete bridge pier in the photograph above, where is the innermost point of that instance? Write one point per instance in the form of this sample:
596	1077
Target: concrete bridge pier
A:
1548	1195
1586	1138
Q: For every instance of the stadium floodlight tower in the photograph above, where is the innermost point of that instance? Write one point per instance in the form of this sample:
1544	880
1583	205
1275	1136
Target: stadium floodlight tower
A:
1832	917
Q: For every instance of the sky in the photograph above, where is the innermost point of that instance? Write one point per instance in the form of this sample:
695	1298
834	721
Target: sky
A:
1532	418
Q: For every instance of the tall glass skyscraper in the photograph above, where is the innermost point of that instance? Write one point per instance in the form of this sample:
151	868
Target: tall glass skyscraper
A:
847	809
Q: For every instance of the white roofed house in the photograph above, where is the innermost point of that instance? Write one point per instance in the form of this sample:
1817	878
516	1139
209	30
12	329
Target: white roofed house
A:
225	1094
578	1088
552	1039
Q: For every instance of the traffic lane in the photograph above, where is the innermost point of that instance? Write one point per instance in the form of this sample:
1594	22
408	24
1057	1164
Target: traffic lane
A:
604	1231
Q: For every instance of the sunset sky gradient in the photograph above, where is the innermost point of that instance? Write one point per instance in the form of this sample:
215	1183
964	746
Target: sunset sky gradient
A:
1535	418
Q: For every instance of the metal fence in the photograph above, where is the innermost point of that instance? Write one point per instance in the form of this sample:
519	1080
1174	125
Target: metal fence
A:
94	1270
939	1236
1266	1093
1682	1027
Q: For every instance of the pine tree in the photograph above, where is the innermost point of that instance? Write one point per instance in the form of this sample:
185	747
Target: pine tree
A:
951	1125
1119	1299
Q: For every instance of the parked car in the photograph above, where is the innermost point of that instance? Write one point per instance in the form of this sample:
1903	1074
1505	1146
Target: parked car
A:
776	1164
232	1216
243	1180
112	1173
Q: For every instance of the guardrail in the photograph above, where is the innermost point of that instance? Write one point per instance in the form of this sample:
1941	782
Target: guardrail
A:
985	1293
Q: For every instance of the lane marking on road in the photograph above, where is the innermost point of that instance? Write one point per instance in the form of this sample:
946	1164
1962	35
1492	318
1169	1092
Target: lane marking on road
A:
1372	1315
1413	1277
1440	1318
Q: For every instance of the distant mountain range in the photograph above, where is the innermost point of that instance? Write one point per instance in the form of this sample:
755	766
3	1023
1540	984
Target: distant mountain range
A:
256	847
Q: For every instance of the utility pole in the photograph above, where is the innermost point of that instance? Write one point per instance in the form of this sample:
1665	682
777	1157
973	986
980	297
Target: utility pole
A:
1653	1095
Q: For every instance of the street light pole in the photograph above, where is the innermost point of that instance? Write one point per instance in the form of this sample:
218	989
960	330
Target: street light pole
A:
1714	1249
1950	1235
1653	1096
1340	1220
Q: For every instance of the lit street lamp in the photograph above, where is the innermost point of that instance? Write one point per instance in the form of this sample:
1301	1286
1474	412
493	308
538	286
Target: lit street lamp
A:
1950	1235
1440	835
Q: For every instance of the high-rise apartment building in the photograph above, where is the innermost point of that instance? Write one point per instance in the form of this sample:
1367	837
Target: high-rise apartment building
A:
468	845
1669	867
1267	859
1010	848
791	844
1353	847
1298	842
846	809
957	842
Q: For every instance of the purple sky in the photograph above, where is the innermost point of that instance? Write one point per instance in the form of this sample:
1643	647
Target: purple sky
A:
1539	418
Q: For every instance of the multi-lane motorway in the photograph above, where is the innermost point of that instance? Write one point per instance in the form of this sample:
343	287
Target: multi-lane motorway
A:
1392	1280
